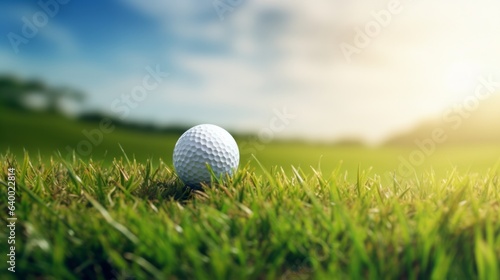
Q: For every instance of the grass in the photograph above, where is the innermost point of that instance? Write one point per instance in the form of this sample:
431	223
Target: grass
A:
132	219
48	134
301	211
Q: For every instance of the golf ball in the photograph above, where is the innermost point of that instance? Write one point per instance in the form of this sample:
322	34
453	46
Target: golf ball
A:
201	145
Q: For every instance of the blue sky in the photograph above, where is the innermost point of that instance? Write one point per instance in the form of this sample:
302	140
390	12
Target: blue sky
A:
264	56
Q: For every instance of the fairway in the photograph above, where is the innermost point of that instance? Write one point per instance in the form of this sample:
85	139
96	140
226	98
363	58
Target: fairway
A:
294	210
39	130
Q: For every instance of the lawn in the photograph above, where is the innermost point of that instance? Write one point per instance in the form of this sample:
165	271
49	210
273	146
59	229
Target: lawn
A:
49	135
292	211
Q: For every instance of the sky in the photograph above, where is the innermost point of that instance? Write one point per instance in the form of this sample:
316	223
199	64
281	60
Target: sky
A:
245	64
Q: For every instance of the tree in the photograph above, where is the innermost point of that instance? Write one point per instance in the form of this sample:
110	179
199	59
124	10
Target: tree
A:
14	93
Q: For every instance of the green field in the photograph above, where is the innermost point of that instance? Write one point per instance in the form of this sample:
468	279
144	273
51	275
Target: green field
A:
50	134
292	211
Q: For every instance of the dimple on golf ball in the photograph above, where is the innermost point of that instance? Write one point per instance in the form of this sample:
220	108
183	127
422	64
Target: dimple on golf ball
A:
201	145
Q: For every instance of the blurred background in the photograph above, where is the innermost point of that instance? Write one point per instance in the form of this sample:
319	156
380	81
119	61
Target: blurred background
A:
349	81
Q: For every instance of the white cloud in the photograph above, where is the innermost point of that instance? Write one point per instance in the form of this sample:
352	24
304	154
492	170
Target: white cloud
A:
60	37
274	53
394	84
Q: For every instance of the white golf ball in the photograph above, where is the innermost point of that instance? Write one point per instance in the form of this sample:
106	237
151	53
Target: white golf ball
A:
201	145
